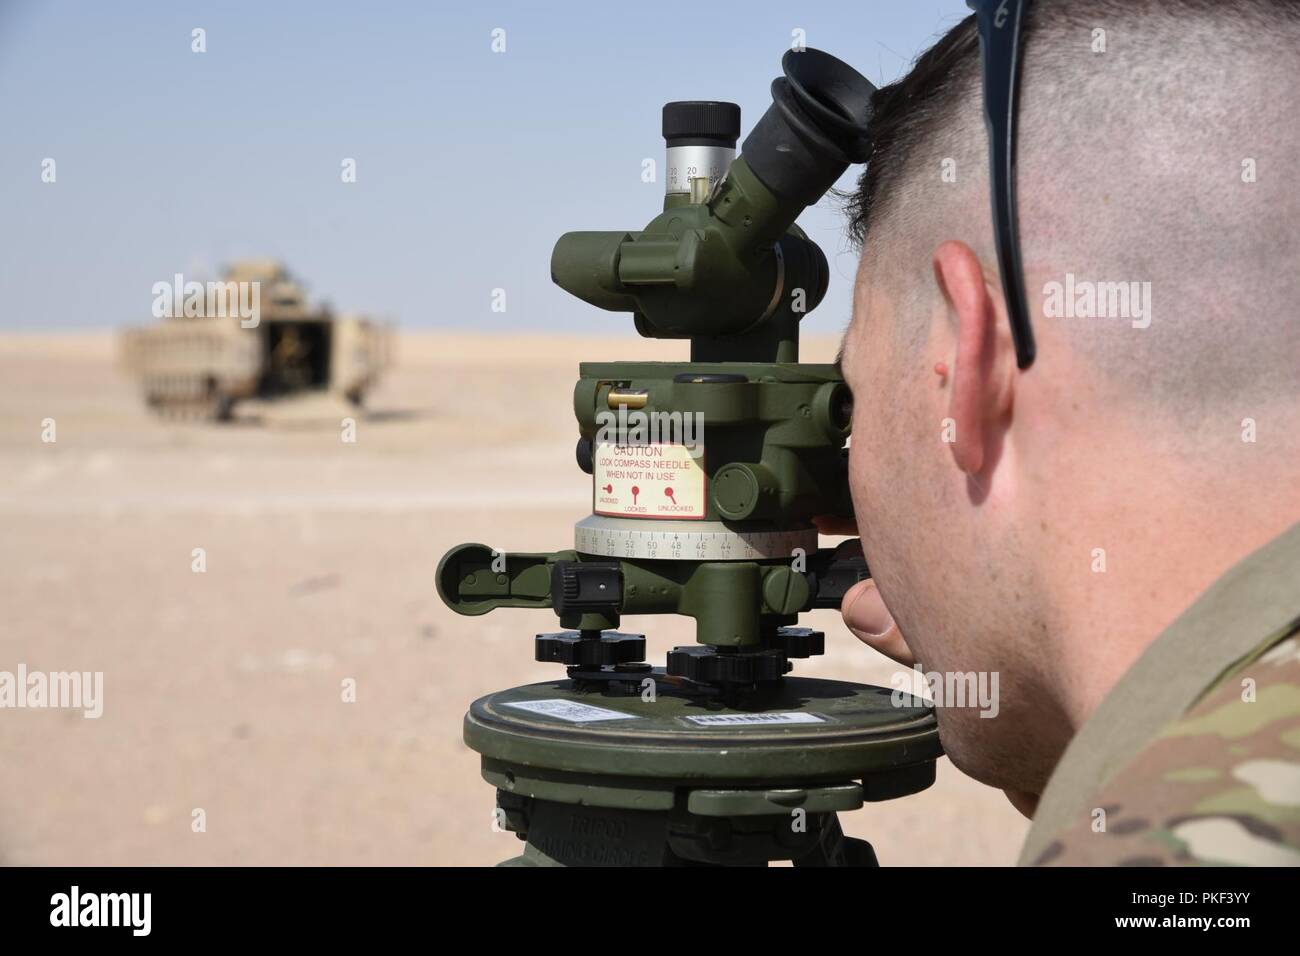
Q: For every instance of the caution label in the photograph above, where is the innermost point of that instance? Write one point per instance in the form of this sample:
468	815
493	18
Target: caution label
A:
649	481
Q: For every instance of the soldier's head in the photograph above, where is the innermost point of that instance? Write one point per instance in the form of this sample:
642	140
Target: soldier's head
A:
1009	517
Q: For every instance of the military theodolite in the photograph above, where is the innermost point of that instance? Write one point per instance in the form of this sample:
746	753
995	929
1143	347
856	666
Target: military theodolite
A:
706	476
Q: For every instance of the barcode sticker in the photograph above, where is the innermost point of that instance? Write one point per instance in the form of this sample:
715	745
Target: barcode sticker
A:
738	720
570	710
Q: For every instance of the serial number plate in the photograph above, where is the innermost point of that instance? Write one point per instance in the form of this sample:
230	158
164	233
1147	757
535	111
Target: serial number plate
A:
748	720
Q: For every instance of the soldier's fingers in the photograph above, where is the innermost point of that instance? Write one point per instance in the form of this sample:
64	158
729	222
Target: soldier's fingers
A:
869	621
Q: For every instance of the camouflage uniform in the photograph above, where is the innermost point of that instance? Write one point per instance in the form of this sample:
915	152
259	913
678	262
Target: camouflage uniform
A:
1194	756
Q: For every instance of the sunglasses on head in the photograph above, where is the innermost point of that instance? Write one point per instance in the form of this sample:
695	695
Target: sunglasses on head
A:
999	23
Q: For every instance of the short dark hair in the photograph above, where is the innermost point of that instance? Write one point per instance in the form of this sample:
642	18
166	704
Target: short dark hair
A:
906	112
909	111
1132	169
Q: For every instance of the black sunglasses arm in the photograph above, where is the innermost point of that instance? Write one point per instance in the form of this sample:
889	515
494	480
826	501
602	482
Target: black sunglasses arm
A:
999	23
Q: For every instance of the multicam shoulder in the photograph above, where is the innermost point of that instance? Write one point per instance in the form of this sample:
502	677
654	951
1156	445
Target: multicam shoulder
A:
1218	786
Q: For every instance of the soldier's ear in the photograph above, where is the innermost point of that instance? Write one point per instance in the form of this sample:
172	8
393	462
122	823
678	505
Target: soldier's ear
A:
984	362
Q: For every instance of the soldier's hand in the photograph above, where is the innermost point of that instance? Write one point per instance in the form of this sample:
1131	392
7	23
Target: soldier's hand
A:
863	609
867	618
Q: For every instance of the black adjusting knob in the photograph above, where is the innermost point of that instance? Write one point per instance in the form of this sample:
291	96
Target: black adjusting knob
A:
586	587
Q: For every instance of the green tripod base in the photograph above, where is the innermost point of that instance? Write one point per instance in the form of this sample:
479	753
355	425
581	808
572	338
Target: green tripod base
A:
657	775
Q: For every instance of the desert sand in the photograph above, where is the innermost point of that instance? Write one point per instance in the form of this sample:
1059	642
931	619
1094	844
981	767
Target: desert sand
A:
222	688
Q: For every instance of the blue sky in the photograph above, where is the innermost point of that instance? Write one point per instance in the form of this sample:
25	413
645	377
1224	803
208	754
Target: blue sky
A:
469	163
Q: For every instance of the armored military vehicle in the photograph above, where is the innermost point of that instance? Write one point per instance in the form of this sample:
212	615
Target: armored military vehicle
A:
254	334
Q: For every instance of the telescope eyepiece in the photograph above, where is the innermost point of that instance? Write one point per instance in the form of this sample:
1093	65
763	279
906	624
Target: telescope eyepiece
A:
816	126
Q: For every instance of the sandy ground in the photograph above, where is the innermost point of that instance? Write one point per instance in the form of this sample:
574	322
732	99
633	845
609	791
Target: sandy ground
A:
222	689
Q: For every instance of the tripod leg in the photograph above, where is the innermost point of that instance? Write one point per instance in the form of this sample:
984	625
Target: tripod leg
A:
564	834
833	848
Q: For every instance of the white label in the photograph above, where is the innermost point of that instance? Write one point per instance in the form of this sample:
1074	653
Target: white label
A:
569	710
741	720
649	481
